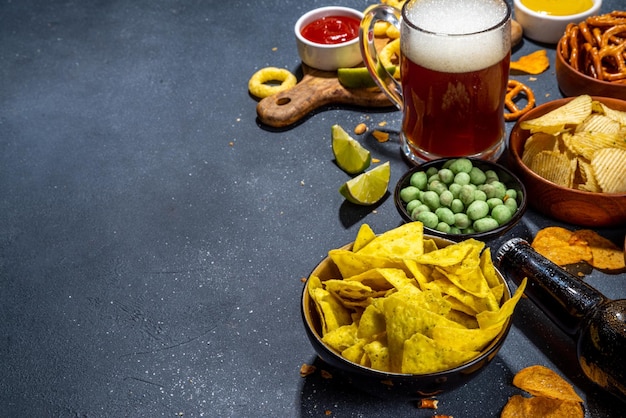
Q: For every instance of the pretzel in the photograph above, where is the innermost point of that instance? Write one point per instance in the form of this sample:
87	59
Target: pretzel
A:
597	46
513	89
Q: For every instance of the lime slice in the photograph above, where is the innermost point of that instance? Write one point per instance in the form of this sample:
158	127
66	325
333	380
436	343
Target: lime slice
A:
358	77
369	187
350	156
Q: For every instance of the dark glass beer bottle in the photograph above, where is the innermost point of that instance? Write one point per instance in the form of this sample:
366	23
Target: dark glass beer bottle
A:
597	323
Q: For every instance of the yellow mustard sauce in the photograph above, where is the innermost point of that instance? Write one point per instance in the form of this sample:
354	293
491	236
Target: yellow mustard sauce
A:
558	7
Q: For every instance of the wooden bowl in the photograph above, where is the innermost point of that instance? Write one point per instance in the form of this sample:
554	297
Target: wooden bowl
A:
574	83
568	205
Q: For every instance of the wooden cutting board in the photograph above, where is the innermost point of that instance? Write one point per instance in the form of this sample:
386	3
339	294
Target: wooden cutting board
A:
316	89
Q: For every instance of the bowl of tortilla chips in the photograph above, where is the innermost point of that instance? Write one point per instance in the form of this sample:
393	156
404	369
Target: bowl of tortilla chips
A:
403	314
570	155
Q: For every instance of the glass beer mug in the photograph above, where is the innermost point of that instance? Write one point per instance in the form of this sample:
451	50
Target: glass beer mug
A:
454	70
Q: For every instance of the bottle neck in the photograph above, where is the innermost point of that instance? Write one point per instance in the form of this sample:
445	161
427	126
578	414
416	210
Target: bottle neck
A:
560	295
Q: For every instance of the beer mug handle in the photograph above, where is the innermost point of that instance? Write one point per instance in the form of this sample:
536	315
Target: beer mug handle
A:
387	83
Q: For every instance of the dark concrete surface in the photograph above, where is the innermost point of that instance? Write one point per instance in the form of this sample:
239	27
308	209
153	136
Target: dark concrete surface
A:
153	235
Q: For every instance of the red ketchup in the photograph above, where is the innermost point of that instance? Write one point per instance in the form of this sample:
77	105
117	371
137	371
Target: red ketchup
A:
330	30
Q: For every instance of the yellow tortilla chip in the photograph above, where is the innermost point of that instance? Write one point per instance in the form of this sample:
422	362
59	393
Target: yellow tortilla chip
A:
405	241
332	313
488	319
422	354
363	237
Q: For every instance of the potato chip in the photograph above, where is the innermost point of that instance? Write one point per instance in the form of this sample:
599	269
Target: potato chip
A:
536	143
587	180
616	115
599	123
605	254
609	166
541	381
554	167
534	63
555	121
555	244
520	407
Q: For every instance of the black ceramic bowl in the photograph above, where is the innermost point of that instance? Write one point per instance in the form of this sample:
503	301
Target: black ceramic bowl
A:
505	175
393	385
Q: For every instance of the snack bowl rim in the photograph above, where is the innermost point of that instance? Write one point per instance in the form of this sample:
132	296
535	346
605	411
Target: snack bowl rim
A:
574	83
544	33
327	57
537	185
499	231
390	384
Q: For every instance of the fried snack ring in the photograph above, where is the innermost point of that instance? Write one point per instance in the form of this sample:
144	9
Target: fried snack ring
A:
387	53
513	89
258	84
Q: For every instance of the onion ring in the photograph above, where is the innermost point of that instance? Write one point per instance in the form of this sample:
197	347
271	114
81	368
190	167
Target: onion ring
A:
515	88
258	84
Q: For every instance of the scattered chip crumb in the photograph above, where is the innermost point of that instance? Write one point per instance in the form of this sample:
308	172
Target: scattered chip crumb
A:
301	182
326	374
383	123
380	136
532	78
275	49
427	403
328	412
361	128
375	160
303	279
231	144
307	369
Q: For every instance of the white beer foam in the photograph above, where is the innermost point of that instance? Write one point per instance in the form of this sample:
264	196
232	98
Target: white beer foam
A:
431	47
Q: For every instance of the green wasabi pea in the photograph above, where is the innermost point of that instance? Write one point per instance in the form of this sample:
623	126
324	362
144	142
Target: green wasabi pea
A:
446	198
491	176
477	209
437	186
409	193
446	175
457	206
443	227
431	171
455	189
480	195
466	195
431	199
493	202
419	180
445	215
511	204
410	206
502	214
477	176
461	220
462	178
485	224
460	165
429	219
419	209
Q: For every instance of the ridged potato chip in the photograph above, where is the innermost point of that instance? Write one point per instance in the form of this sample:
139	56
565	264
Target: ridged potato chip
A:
609	166
602	131
555	167
541	381
555	121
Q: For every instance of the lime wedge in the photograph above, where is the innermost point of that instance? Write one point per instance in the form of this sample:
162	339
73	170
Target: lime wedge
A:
358	77
369	187
350	156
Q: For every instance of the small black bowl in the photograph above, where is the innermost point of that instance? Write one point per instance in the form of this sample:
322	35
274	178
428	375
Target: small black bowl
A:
393	385
505	175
